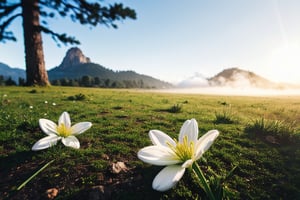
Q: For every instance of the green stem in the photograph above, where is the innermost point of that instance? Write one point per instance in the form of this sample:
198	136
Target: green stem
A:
35	174
201	177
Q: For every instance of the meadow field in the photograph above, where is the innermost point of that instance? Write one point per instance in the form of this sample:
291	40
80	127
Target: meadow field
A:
260	136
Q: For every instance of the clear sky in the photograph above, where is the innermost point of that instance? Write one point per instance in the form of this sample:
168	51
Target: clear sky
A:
174	39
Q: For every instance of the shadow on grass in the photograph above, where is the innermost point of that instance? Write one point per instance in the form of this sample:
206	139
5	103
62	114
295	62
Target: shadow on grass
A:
79	183
14	170
135	186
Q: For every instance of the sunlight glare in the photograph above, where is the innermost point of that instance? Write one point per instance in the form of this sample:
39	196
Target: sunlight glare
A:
284	64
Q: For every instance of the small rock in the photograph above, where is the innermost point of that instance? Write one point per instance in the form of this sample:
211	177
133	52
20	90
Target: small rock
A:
97	193
100	177
271	139
52	193
100	192
105	156
110	180
118	167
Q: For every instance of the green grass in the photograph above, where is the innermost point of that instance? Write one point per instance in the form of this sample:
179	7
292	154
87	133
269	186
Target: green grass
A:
225	117
274	131
121	122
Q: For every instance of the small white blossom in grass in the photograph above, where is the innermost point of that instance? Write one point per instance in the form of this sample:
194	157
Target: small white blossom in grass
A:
46	102
31	107
53	104
63	131
175	155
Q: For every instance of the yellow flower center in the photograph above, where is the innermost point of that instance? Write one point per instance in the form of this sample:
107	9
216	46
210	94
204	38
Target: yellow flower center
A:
185	150
63	131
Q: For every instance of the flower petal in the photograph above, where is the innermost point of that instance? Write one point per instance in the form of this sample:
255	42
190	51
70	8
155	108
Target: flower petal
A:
160	138
205	142
48	127
189	129
158	155
45	142
187	163
80	127
71	141
168	177
65	119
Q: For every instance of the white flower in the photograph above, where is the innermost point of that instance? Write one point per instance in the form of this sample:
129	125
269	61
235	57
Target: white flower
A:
63	131
53	104
46	102
175	155
31	107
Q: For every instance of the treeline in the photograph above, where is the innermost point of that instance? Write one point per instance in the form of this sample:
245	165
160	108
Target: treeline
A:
84	81
8	81
89	81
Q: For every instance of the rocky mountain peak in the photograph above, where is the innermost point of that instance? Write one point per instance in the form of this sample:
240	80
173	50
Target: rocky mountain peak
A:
74	56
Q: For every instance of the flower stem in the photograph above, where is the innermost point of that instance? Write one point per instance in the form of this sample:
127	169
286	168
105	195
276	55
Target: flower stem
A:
35	174
201	177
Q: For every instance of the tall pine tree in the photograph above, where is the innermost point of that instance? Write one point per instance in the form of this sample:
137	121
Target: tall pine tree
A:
33	12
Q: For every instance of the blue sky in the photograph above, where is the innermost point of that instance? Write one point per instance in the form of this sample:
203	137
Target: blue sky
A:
173	40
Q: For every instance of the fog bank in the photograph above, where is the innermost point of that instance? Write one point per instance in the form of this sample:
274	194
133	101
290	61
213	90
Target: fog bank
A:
234	91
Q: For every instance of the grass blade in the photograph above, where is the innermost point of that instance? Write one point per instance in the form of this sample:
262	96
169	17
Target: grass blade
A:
34	175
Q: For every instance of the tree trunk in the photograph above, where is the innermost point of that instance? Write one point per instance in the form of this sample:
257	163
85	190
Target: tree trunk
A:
34	56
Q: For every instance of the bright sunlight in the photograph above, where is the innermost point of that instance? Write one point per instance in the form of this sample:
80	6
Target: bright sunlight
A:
283	64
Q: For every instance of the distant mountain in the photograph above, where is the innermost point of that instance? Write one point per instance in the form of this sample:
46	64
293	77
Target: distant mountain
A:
74	57
75	65
197	80
14	73
235	77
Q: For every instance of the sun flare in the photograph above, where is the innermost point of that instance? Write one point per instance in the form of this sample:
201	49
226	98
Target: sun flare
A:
284	64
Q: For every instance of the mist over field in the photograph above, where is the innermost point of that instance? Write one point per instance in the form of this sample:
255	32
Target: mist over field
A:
238	91
234	81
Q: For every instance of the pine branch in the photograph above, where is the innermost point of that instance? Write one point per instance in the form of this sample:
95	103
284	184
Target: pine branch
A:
8	35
